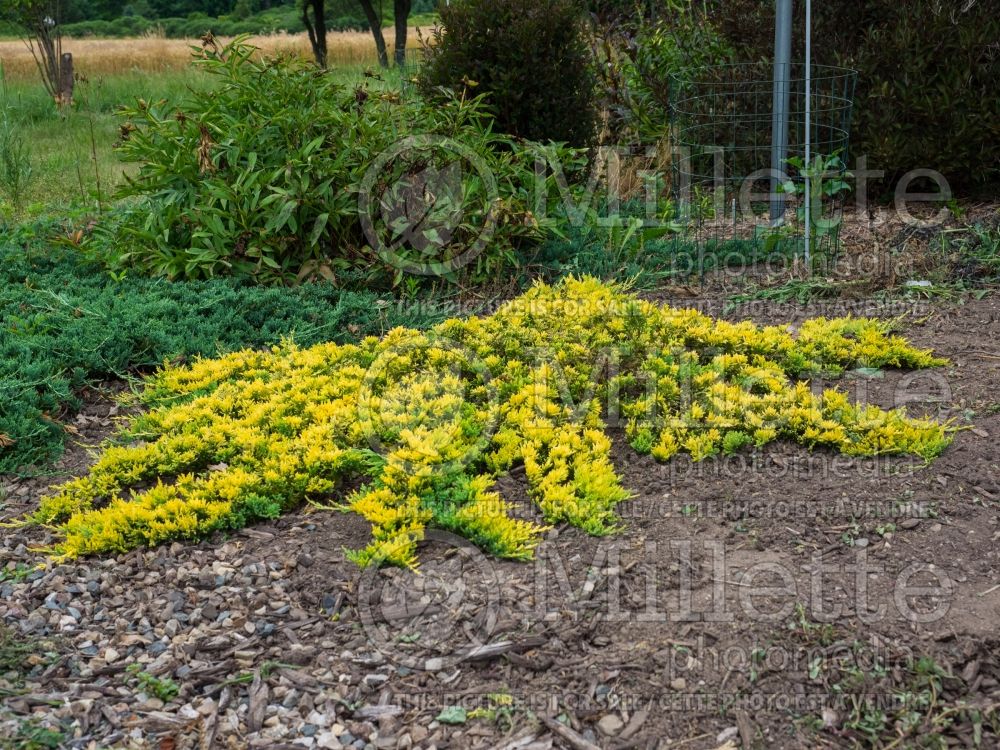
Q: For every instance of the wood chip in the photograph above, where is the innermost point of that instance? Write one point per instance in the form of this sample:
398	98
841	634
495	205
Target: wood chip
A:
378	712
526	740
635	723
208	729
746	728
493	650
298	678
258	703
577	741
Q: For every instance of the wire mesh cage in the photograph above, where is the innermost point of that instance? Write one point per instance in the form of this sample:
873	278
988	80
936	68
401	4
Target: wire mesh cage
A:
411	67
731	194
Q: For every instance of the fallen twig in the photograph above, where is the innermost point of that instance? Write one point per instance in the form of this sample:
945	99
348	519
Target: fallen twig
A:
575	740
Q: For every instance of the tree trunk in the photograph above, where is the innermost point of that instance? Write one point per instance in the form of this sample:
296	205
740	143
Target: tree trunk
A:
47	56
375	21
65	96
316	28
402	13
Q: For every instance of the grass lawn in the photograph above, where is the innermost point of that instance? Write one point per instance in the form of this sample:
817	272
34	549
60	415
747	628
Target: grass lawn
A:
71	152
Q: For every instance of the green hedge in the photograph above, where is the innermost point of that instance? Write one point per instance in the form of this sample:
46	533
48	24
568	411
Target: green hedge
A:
284	18
288	18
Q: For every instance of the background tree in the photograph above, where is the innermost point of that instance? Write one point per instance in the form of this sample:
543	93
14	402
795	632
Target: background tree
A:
316	28
401	15
39	21
314	13
401	20
374	17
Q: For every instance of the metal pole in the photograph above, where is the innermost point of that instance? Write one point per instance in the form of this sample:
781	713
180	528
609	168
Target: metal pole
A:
779	107
808	221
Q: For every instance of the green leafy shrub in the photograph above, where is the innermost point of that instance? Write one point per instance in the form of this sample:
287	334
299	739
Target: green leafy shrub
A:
261	177
65	323
530	60
927	72
622	12
682	39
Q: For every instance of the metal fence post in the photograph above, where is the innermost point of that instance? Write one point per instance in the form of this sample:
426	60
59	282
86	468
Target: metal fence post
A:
779	110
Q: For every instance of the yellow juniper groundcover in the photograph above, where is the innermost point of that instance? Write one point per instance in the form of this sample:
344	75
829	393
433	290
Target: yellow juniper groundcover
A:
424	422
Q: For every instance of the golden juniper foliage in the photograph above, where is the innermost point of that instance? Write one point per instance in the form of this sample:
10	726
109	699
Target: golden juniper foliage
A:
430	420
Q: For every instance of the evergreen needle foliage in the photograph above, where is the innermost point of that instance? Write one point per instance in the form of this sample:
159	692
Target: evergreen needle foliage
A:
428	421
65	323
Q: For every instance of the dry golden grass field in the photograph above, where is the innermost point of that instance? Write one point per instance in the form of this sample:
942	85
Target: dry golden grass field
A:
71	150
100	57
